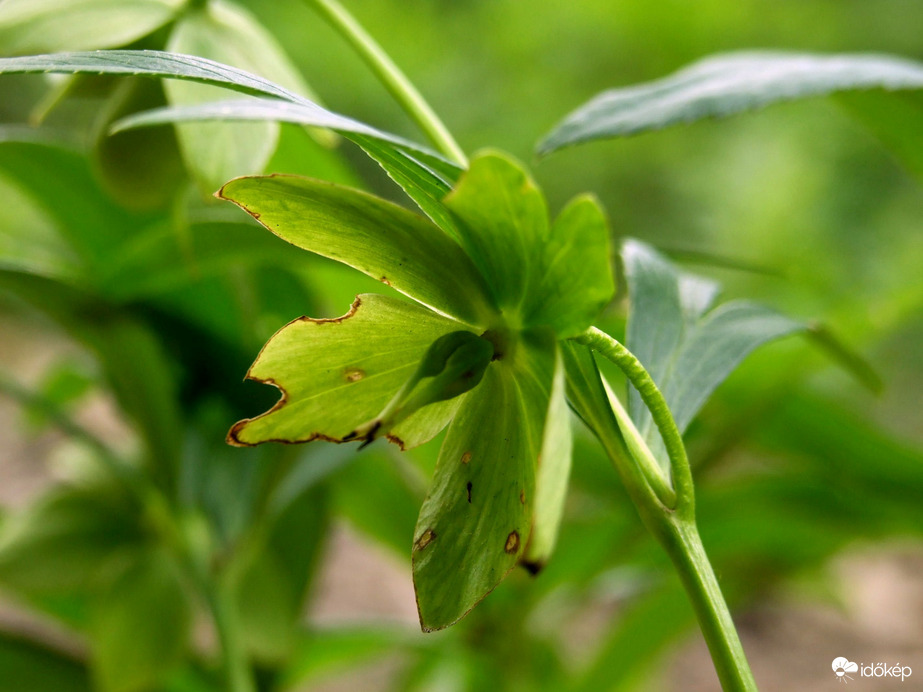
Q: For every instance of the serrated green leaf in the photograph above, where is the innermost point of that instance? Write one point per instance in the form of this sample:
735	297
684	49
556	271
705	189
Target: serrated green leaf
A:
727	84
576	275
228	34
502	223
378	238
141	626
336	374
477	518
34	25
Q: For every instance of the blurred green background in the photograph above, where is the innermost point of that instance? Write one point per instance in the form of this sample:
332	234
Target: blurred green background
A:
131	306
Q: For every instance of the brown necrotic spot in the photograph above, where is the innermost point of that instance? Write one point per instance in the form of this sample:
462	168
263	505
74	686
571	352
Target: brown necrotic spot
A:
469	492
353	374
425	539
512	542
466	457
522	496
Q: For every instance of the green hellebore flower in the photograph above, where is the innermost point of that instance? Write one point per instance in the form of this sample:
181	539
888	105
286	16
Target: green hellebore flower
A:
477	351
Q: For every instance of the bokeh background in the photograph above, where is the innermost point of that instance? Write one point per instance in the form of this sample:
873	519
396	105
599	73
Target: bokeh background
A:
131	306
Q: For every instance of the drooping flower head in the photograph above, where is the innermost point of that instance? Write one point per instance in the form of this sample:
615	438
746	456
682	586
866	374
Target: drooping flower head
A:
495	287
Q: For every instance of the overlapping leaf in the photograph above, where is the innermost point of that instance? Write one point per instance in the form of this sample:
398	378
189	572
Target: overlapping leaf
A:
337	374
414	167
32	25
476	522
380	239
687	350
727	84
540	276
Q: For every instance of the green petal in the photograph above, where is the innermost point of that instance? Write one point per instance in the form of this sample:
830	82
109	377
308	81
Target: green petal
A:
338	373
576	277
475	524
502	222
376	237
552	474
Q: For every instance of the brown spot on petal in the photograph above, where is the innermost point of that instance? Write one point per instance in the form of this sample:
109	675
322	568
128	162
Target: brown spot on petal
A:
353	374
522	496
425	539
466	457
512	542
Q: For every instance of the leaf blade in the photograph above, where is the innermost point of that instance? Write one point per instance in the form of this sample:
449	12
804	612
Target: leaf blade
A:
724	85
378	238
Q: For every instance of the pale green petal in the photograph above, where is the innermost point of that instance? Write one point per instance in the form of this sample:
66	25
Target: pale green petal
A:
338	373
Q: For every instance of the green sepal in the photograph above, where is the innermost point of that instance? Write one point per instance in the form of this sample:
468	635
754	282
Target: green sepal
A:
453	365
476	522
502	222
335	374
383	240
576	280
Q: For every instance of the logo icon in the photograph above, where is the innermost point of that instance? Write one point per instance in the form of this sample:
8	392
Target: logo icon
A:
842	666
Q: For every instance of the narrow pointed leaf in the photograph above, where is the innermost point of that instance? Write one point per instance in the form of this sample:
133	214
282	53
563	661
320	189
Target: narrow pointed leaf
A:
576	272
36	25
376	237
689	349
502	223
424	174
336	374
728	84
476	521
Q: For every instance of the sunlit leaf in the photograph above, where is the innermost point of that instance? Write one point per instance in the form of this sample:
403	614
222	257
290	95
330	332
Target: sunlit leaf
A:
337	374
479	510
35	25
380	239
727	84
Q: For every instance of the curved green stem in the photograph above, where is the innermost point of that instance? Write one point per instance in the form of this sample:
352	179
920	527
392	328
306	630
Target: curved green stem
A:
391	77
675	529
641	380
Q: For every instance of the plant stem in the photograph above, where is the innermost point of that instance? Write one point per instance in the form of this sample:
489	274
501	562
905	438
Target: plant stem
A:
391	77
612	350
675	529
236	668
684	546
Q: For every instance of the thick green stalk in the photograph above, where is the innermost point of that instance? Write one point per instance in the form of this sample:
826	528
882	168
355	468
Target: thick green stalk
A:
675	529
641	380
391	77
680	538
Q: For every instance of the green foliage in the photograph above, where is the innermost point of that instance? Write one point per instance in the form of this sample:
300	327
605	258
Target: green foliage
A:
728	84
168	297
